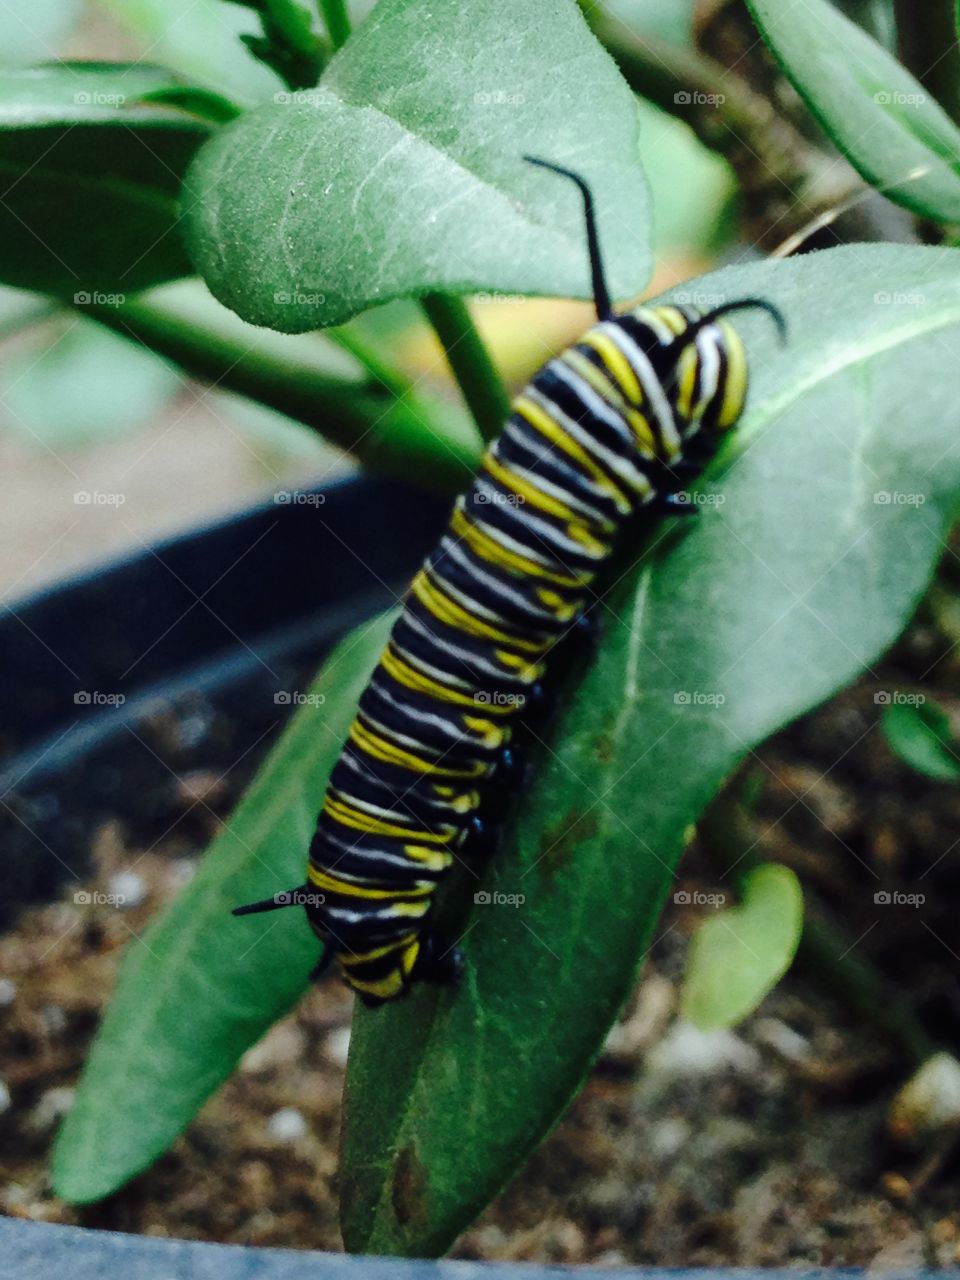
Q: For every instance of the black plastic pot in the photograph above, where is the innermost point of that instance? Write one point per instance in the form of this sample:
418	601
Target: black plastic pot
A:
217	621
213	621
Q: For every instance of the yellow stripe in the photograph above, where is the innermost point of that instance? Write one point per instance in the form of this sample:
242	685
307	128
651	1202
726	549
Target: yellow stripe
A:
523	488
617	364
488	548
736	386
385	988
347	816
687	377
548	427
609	391
430	859
347	889
673	319
377	953
492	734
404	674
448	611
372	744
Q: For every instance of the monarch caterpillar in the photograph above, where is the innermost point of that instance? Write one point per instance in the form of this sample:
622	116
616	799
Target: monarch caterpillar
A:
615	424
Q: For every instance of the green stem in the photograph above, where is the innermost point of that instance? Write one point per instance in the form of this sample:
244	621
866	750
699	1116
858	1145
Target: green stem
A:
292	24
390	434
347	337
469	361
336	21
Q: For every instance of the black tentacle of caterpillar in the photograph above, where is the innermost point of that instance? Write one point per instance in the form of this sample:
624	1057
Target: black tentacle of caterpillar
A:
617	424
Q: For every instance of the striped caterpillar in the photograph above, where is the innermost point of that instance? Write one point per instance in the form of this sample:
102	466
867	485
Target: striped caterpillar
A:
616	424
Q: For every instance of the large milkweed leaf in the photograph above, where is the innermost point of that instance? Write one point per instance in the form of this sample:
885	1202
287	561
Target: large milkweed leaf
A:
823	519
200	987
883	120
90	178
385	182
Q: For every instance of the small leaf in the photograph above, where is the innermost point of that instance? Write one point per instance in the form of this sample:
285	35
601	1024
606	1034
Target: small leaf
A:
920	735
91	179
200	987
738	956
203	103
385	182
882	119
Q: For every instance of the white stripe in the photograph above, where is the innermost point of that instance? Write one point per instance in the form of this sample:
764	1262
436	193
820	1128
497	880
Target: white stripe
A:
496	585
652	390
525	439
620	466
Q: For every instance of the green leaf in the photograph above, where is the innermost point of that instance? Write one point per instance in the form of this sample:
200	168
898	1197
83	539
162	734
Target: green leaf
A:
780	592
90	178
389	181
201	40
919	733
34	33
737	957
83	385
882	119
200	986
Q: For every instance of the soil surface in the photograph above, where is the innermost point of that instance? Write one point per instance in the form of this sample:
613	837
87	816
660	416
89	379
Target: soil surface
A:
765	1145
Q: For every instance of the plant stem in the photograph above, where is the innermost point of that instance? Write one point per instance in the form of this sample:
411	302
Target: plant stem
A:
469	362
730	838
336	21
292	25
389	433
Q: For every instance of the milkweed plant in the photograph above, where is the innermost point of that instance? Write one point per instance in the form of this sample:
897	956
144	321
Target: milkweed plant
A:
240	206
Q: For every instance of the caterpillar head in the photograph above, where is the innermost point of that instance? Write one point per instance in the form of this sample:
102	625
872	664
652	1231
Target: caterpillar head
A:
704	365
